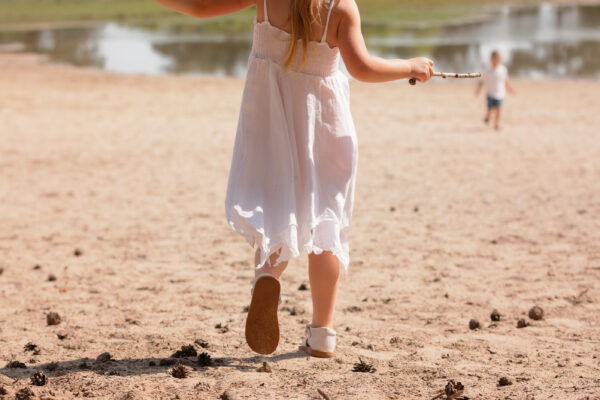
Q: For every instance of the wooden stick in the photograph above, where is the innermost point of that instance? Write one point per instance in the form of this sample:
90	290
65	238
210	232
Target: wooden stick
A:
325	395
413	81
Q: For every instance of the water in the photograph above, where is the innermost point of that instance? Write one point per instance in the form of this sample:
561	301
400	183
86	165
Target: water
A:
545	41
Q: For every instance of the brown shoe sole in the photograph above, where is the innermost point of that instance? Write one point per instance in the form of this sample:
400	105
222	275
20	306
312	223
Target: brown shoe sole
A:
262	325
316	353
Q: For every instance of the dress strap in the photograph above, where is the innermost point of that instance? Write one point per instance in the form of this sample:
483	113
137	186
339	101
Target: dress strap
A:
331	2
266	12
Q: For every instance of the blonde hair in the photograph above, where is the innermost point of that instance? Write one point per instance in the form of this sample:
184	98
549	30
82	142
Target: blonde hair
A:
303	13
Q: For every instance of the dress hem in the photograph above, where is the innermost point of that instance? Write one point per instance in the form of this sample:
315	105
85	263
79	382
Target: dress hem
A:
287	240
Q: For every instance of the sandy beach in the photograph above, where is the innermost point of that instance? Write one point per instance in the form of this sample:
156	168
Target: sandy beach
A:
115	186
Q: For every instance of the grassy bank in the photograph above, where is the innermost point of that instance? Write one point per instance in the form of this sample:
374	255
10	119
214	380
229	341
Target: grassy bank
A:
32	11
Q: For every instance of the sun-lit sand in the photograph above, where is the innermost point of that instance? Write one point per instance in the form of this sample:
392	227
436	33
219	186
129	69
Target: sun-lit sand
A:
452	220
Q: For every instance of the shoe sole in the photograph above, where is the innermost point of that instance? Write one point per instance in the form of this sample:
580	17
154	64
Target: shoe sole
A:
316	353
262	325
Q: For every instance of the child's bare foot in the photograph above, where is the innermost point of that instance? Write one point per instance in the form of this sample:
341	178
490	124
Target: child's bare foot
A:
262	325
486	120
497	127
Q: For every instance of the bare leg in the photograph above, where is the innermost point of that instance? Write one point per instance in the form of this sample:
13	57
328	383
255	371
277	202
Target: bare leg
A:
498	115
267	268
323	273
487	116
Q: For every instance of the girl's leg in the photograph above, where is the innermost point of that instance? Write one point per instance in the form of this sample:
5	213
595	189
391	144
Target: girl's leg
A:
262	324
323	273
268	267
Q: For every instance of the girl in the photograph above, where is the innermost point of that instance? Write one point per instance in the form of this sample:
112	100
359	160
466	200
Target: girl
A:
291	183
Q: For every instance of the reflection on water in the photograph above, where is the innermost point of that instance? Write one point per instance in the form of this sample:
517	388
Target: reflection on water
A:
229	58
544	41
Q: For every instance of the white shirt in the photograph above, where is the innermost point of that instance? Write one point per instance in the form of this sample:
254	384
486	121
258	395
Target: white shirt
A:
495	81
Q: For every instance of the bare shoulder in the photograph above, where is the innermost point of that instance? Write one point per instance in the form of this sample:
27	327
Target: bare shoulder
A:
344	18
346	9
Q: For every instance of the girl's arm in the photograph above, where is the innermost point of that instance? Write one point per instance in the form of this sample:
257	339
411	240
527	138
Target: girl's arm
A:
365	67
207	8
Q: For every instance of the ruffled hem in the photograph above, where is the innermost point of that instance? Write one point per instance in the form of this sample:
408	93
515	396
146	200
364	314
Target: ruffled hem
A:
325	234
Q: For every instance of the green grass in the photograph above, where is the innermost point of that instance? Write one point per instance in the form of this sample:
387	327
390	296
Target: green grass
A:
27	11
397	11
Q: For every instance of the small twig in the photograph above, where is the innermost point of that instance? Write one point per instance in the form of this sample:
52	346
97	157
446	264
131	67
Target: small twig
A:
458	76
577	300
583	293
582	340
413	81
454	396
438	395
558	340
325	395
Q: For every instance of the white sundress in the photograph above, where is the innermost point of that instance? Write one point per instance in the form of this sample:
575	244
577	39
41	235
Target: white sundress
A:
292	177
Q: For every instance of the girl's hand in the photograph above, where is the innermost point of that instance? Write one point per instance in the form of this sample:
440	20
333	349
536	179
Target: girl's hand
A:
421	68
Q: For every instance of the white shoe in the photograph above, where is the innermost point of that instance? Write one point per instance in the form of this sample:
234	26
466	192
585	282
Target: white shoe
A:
319	342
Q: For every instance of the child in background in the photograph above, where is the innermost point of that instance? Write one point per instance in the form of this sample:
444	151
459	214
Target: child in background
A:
495	79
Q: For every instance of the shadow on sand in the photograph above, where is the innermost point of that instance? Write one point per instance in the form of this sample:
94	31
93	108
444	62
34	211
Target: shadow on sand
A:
142	366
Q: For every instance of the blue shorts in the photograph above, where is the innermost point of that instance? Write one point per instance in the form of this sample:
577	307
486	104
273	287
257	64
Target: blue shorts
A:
492	102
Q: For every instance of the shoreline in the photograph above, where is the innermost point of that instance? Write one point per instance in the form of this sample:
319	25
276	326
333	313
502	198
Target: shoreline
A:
15	50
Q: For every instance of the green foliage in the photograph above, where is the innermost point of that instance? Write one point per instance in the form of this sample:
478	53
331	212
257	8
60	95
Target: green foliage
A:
22	11
393	11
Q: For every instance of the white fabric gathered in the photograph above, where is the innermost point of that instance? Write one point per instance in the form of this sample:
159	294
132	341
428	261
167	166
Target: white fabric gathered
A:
293	172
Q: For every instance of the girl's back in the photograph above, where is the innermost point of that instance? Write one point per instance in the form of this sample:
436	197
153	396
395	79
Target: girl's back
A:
274	32
279	16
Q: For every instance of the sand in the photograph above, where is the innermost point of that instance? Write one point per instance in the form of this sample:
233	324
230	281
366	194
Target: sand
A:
452	220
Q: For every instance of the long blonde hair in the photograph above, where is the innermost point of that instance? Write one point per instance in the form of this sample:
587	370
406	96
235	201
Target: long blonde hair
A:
303	13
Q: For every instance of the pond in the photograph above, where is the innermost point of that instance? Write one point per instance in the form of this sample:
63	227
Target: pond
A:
545	41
